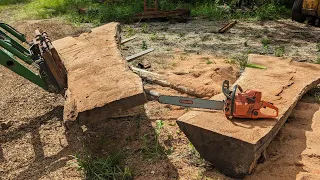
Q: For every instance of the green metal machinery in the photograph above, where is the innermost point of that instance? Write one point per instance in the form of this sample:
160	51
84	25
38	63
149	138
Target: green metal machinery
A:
40	53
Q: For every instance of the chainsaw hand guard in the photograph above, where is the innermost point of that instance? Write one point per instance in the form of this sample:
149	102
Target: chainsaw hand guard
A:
245	104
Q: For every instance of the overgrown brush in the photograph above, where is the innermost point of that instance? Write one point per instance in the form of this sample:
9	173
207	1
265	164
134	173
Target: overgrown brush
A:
97	12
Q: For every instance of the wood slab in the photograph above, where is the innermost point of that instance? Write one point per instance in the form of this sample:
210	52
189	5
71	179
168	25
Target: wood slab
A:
235	146
99	79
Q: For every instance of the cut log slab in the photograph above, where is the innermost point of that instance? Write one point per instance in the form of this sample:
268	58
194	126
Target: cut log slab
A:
235	146
100	82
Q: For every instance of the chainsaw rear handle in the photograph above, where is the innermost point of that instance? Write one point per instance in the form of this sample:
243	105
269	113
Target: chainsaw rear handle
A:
271	106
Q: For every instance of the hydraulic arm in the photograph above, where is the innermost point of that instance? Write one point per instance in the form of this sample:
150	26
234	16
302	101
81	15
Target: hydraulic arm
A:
40	53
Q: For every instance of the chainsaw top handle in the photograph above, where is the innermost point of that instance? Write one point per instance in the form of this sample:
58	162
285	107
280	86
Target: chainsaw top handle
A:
231	95
225	89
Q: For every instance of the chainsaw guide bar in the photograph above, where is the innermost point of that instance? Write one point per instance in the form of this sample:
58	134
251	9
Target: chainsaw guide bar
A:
242	105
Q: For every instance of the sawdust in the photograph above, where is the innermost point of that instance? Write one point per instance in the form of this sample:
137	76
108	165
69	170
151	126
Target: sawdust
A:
295	152
202	73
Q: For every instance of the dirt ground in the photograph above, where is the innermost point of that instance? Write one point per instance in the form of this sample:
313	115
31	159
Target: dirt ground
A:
35	145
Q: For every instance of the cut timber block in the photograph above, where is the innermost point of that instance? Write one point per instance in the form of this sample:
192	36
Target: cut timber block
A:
100	82
235	146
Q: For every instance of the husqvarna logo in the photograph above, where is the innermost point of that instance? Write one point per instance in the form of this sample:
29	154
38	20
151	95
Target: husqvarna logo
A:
185	101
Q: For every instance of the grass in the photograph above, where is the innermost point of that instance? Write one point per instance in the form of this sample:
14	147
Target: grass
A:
13	2
144	28
130	32
124	10
317	60
240	59
195	157
217	11
205	37
209	62
94	12
265	42
154	37
318	47
246	43
151	147
144	45
279	51
110	167
182	34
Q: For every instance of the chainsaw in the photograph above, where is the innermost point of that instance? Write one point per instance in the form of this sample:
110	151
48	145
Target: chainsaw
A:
244	104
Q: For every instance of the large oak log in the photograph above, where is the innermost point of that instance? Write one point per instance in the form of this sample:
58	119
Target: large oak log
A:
100	82
235	146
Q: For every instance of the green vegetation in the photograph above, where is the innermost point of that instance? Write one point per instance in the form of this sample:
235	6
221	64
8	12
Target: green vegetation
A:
151	147
246	43
182	34
193	150
255	66
205	37
216	10
144	45
111	167
265	42
11	2
154	37
97	12
240	59
318	60
265	45
130	32
195	157
279	51
271	11
208	62
145	28
318	47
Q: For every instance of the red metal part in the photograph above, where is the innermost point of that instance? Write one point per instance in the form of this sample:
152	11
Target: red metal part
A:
154	13
248	104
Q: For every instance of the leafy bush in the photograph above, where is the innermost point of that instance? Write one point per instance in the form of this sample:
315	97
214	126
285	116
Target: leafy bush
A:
271	12
213	11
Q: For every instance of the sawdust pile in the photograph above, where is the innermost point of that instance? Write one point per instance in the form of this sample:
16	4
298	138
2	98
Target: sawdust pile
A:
295	152
203	74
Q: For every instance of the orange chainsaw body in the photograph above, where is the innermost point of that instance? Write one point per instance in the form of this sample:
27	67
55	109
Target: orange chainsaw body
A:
248	104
